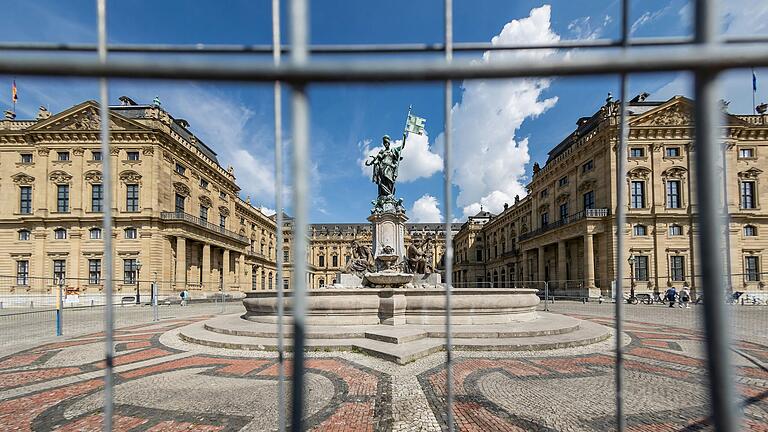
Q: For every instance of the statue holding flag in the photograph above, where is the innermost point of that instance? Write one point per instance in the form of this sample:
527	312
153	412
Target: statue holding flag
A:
386	164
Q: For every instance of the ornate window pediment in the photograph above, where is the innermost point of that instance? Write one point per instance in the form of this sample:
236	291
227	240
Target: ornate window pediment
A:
563	197
223	211
181	189
23	179
204	200
93	176
675	172
130	176
751	173
60	177
587	185
639	173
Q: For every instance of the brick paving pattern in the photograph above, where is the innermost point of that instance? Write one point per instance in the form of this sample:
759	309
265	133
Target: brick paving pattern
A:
164	384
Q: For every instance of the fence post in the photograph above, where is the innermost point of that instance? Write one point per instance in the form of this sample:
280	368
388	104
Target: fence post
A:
546	296
59	307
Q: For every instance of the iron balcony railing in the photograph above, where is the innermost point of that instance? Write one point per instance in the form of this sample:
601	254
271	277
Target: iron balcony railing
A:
194	220
584	214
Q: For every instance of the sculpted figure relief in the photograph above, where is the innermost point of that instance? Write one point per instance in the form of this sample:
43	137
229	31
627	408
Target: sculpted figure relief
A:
361	261
420	256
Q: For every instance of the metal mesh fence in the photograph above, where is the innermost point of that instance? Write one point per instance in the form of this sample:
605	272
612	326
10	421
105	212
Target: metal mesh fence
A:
706	55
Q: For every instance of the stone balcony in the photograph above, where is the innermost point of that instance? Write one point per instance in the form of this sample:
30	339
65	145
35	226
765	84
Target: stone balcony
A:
584	214
187	218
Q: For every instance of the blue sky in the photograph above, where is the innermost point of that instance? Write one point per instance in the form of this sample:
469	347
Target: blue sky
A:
502	127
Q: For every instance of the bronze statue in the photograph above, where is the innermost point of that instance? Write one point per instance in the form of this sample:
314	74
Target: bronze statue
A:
361	261
385	167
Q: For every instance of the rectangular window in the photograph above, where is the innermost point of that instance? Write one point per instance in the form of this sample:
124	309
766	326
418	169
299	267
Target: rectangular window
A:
132	155
129	271
62	156
181	169
285	284
22	272
94	271
62	198
563	181
222	221
544	193
132	198
544	219
24	235
180	203
286	255
675	230
641	268
25	199
204	213
588	166
97	198
673	152
748	195
589	200
335	261
321	261
641	230
637	200
223	195
673	194
746	153
131	233
26	158
96	155
479	255
750	230
751	267
564	212
95	233
636	152
59	271
676	268
203	183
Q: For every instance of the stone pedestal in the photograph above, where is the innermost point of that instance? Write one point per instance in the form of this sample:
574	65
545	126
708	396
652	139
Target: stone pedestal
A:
388	232
392	308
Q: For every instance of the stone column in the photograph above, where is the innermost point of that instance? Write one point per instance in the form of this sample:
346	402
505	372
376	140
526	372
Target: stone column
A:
225	269
242	281
525	266
589	263
206	264
181	263
562	273
541	271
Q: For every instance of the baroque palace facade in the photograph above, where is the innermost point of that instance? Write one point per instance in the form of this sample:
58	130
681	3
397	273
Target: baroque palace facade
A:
563	230
178	218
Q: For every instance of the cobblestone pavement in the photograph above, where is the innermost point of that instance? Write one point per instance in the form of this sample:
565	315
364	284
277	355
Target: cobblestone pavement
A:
165	384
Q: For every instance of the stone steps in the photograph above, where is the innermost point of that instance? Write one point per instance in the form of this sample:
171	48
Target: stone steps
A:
401	344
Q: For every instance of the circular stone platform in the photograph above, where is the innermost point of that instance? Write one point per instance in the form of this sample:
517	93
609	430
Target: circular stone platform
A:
401	343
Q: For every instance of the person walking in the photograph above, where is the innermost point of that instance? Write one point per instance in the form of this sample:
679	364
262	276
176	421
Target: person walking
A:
184	297
685	297
671	295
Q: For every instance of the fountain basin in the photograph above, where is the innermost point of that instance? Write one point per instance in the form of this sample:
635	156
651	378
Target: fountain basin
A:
397	306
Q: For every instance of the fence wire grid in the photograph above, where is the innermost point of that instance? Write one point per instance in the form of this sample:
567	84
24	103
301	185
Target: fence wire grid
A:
706	55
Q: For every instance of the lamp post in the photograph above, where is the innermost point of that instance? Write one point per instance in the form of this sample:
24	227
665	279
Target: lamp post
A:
138	273
631	261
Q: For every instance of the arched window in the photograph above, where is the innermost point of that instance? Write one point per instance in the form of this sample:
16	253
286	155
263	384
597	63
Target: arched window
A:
60	234
675	230
270	280
750	231
24	235
322	283
640	230
130	233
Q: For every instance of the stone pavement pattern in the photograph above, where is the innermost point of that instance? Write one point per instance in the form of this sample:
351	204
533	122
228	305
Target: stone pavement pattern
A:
164	384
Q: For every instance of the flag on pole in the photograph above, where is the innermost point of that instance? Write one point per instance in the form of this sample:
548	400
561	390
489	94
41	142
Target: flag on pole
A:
415	125
14	92
754	81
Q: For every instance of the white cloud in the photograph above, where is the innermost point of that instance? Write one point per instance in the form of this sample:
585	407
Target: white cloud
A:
426	210
489	161
418	159
583	29
267	211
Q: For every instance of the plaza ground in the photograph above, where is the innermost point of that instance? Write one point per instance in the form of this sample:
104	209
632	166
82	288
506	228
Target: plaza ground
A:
163	383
